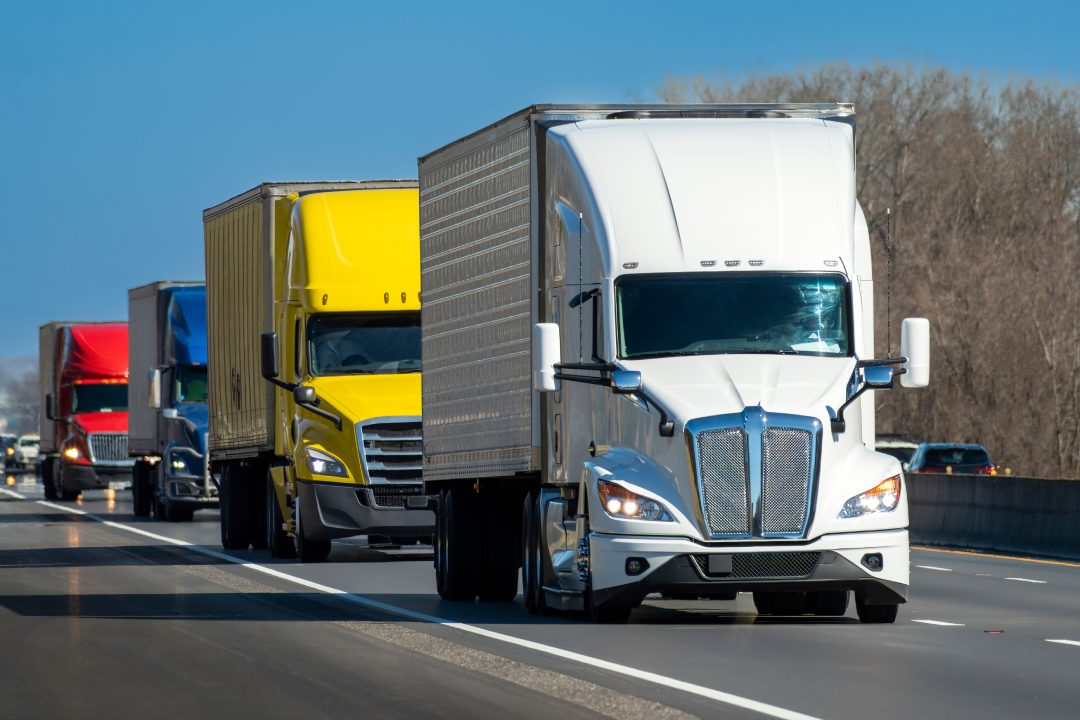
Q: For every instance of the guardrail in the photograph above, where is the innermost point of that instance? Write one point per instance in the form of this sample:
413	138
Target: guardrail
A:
1000	513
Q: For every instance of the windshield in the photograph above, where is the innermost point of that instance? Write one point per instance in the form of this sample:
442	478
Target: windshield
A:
364	343
956	456
105	397
191	384
706	313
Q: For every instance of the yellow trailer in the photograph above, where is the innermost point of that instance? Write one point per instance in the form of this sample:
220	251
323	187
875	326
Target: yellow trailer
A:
313	308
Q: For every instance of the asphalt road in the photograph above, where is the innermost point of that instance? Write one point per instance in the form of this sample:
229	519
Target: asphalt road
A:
106	615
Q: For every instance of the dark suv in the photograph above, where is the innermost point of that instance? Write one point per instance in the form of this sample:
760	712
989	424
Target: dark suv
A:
951	457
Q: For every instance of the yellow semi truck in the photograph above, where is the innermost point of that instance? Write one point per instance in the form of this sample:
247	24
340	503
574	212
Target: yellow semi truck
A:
313	314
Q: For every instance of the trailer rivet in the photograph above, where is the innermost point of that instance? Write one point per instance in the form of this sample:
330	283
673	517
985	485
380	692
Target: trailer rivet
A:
325	297
402	297
386	297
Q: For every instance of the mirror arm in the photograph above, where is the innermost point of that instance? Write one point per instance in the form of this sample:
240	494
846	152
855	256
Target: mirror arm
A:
280	383
336	419
883	361
666	427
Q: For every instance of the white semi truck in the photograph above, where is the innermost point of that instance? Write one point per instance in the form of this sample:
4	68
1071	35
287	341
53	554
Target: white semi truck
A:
647	340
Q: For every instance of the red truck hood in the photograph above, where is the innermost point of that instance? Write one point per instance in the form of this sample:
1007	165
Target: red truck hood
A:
95	422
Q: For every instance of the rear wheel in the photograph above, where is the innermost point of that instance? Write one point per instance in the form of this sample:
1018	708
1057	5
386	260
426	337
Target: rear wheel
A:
456	547
279	542
532	574
498	580
307	550
141	491
876	613
257	474
235	508
48	468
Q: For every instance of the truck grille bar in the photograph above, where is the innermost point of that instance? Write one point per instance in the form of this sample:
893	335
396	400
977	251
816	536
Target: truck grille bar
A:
755	472
391	450
108	447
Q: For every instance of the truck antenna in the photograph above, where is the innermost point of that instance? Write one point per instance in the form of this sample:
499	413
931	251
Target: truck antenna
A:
888	282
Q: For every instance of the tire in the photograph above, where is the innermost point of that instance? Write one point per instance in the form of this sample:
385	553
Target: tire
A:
532	574
277	540
875	614
235	503
141	491
257	474
827	603
789	602
62	492
501	554
605	614
307	550
47	469
456	574
176	513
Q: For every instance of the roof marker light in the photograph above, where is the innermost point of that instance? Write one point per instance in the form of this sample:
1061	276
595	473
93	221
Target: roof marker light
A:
732	263
830	263
629	265
708	263
757	263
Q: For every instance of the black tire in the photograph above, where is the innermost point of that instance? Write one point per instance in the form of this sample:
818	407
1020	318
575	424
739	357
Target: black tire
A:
456	574
875	614
501	556
177	513
257	474
307	550
235	508
277	540
141	491
532	574
62	492
606	614
827	603
48	468
789	602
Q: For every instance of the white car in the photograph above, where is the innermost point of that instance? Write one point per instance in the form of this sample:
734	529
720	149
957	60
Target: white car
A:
26	450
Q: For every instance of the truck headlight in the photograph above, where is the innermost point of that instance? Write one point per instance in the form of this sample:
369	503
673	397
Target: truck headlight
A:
322	463
619	502
10	451
71	453
182	463
883	497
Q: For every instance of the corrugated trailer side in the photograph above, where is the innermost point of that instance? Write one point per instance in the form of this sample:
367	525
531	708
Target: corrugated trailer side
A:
47	335
144	352
475	217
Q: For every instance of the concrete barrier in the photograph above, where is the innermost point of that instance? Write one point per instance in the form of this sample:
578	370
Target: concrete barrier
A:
999	513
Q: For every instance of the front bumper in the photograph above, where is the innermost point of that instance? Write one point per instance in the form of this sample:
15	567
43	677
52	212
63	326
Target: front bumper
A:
188	492
336	511
681	566
93	477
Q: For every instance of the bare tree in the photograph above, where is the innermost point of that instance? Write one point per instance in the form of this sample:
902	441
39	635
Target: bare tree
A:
984	185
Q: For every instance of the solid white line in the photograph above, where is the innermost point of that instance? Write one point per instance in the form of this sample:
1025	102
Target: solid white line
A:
933	567
631	672
1037	582
1066	642
13	494
939	622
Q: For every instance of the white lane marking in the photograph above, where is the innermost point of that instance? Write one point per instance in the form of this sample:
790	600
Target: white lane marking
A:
631	672
14	494
939	622
1037	582
934	567
1065	642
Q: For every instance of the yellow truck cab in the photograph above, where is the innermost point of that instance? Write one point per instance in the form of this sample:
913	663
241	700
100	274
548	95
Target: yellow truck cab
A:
313	303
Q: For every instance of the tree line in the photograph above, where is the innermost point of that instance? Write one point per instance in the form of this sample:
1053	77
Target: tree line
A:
983	181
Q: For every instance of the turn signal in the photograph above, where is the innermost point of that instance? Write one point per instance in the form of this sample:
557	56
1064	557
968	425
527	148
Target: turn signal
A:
883	497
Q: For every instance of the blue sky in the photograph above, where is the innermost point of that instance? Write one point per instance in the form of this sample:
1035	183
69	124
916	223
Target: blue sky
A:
121	121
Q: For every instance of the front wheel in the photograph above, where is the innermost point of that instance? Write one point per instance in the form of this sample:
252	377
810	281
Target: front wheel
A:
307	550
876	614
48	468
235	509
141	491
277	540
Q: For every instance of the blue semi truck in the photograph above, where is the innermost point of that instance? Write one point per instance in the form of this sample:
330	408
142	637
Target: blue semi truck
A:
167	398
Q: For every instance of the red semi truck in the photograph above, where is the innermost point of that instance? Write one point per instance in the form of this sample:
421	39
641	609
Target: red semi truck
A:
83	377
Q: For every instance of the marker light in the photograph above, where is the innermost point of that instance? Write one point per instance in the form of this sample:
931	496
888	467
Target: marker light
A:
621	503
322	463
883	497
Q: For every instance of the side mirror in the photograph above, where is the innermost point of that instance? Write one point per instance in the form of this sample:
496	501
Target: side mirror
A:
915	346
269	355
625	382
878	377
305	395
547	352
50	409
153	392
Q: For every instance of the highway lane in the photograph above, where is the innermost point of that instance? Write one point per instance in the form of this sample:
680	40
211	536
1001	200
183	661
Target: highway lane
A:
973	641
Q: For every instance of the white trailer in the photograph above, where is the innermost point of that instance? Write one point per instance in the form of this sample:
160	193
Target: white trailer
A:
647	337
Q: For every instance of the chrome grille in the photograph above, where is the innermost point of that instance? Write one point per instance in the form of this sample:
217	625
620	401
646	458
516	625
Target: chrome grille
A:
765	565
785	480
108	447
392	450
724	481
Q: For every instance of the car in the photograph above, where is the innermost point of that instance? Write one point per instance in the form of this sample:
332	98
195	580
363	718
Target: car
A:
7	449
26	451
951	458
899	446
